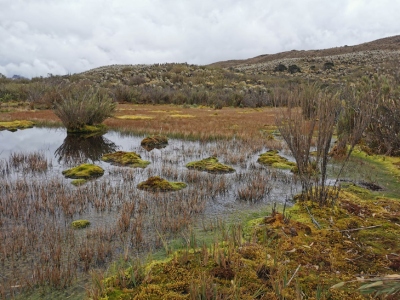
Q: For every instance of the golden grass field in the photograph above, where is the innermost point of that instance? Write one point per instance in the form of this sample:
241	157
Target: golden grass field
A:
198	123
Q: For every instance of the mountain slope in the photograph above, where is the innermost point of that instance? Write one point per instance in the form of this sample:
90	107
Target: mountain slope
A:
387	44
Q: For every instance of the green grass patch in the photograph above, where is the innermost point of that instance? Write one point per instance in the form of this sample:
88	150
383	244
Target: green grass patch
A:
380	170
135	117
79	224
84	171
129	159
211	165
273	159
15	125
181	116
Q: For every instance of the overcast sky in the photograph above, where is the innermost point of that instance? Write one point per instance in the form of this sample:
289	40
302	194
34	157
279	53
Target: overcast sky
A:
38	37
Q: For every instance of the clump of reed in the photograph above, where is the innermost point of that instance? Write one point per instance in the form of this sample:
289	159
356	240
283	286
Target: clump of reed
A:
35	162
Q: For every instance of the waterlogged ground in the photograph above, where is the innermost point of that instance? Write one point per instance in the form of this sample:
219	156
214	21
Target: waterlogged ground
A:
39	247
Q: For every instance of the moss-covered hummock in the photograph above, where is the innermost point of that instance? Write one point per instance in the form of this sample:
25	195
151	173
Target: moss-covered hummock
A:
273	159
89	129
158	184
357	238
154	141
129	159
210	165
84	171
15	125
78	224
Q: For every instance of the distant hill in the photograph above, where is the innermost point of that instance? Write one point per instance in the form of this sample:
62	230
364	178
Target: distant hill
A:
253	82
385	44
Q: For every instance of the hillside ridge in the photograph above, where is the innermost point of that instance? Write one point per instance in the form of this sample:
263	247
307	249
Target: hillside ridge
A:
388	43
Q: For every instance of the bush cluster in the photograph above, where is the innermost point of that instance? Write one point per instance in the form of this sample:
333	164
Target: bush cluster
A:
82	105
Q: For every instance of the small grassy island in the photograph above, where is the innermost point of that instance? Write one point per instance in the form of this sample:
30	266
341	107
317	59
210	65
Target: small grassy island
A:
154	141
273	159
210	165
15	125
158	184
79	224
129	159
84	171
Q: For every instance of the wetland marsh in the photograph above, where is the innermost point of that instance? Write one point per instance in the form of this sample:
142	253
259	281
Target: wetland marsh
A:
38	204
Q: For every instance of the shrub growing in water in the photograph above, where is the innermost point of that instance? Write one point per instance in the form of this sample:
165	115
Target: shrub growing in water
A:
81	106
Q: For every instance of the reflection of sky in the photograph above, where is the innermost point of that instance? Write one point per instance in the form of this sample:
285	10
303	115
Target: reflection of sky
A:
48	140
33	139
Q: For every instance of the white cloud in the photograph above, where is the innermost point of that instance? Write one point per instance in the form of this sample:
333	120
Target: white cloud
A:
59	37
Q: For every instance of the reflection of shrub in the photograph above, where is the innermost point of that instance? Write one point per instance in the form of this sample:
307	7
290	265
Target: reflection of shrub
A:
81	148
82	105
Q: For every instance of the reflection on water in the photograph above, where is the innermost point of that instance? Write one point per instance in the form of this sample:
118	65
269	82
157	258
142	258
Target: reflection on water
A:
77	149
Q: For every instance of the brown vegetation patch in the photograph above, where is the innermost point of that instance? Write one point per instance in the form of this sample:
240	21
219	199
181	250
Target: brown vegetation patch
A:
158	184
154	141
355	208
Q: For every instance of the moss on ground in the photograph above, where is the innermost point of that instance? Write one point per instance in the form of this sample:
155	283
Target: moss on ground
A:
78	224
154	141
129	159
182	116
358	238
15	125
273	159
84	171
211	165
158	184
135	117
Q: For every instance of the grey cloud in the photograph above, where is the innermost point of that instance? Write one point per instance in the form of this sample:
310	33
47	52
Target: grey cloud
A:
59	37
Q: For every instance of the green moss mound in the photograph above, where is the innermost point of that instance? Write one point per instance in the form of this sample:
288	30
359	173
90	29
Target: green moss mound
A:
129	159
78	224
210	165
158	184
154	141
84	171
15	125
89	129
273	159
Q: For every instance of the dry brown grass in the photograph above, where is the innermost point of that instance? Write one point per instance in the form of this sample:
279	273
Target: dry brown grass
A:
206	122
